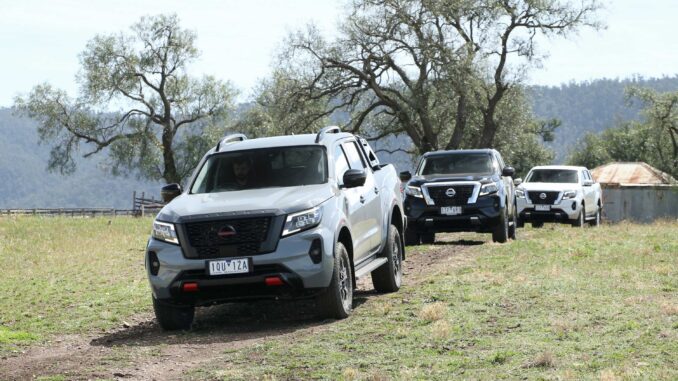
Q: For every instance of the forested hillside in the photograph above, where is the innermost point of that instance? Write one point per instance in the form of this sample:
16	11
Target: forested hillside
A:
589	107
24	181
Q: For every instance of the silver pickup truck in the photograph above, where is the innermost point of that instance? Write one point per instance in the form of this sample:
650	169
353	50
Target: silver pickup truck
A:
277	217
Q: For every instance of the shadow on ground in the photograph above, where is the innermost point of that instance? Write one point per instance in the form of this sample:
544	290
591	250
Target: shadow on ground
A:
228	323
459	242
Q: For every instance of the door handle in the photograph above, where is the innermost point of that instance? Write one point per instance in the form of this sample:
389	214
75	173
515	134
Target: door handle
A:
376	190
362	199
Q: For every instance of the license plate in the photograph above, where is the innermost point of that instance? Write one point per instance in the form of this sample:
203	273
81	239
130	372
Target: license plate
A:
229	266
450	210
542	207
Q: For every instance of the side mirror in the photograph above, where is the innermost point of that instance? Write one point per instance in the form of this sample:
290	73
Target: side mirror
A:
517	181
588	183
354	178
170	191
405	176
508	171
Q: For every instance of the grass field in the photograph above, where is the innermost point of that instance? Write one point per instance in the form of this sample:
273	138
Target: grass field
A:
559	303
69	275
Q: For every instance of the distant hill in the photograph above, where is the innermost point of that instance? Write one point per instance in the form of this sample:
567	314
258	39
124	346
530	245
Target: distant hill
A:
24	182
589	107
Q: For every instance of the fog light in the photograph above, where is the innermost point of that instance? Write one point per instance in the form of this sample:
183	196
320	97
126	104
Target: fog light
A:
316	251
190	287
153	262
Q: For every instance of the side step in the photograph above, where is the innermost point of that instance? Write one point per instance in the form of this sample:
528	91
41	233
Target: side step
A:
368	268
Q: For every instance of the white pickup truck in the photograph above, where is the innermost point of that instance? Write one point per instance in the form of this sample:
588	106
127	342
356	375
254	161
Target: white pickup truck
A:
559	193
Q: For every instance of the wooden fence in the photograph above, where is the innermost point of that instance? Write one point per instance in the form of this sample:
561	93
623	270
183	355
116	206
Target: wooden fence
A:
141	206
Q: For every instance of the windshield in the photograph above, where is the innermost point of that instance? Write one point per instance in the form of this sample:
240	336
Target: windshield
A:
456	164
552	176
262	168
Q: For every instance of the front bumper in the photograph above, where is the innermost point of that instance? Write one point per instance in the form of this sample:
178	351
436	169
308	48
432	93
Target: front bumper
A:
480	216
561	211
290	262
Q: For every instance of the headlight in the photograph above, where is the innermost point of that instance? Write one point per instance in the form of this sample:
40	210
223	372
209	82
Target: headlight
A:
568	194
520	193
302	220
165	232
413	191
488	189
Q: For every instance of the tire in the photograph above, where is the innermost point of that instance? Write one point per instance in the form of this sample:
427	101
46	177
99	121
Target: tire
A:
513	229
537	225
580	221
173	318
388	277
596	221
500	233
428	238
412	238
336	302
521	223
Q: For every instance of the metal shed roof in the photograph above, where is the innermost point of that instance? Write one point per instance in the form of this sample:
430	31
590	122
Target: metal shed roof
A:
631	174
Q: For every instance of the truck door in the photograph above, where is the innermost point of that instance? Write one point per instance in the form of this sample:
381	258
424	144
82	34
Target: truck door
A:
589	193
369	198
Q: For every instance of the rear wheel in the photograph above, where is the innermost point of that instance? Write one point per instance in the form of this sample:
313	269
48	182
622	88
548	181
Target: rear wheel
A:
337	300
172	318
513	229
500	233
412	238
428	238
388	277
596	221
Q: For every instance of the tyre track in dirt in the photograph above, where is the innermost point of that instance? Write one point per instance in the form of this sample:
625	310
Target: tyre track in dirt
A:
140	350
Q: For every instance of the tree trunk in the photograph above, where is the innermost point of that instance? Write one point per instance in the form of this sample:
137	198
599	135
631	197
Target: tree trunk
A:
459	125
170	172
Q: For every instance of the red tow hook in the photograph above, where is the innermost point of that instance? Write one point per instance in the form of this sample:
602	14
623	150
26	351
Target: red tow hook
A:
190	287
274	281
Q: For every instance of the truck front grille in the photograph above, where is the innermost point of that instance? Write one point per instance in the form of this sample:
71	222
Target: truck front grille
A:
461	194
228	238
550	197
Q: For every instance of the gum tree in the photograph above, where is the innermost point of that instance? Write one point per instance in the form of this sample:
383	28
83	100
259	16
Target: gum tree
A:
136	100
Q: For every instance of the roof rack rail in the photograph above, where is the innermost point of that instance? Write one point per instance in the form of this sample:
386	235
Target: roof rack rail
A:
229	139
327	130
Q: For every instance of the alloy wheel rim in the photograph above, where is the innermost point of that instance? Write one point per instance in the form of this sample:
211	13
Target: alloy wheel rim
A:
395	254
345	286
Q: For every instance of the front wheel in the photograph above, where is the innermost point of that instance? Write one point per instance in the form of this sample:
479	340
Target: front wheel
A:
412	238
580	221
172	318
388	277
500	233
337	300
428	238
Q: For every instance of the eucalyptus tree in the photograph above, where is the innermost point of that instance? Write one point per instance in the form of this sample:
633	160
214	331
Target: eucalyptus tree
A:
437	71
136	100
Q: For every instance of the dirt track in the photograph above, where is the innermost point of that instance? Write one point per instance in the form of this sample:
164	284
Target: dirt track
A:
140	350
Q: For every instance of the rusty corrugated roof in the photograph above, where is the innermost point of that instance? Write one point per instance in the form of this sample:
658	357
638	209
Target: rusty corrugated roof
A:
630	173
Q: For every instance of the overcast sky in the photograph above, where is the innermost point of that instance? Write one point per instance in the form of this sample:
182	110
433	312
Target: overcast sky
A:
40	40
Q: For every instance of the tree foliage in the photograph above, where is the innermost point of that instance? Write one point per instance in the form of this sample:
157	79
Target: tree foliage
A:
652	140
137	100
437	71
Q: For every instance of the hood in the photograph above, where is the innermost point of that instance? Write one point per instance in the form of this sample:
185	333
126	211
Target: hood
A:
265	200
548	186
418	180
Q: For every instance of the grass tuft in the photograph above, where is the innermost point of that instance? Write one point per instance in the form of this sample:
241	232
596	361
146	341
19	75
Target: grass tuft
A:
433	312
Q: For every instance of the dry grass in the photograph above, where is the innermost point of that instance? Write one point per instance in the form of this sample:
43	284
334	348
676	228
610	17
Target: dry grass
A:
433	312
608	375
440	330
543	360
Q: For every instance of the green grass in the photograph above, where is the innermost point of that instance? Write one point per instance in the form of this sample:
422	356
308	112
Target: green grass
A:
560	303
69	275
